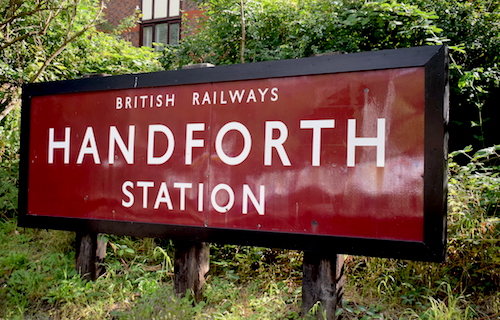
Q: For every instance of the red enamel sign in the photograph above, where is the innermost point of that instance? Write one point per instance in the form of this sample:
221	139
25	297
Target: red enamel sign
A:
336	154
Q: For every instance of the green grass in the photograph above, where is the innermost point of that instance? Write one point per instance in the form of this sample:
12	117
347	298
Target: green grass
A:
38	281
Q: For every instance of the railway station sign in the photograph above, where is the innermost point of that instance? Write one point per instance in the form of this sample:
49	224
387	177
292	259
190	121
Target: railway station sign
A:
338	152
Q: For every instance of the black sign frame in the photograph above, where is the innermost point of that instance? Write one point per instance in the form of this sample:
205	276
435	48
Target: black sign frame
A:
433	58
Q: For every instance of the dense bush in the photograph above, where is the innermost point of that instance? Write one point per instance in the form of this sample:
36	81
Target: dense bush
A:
56	40
9	163
292	29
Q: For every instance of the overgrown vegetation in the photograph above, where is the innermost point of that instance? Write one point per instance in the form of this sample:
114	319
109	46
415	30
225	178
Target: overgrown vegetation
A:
286	29
9	163
47	40
54	40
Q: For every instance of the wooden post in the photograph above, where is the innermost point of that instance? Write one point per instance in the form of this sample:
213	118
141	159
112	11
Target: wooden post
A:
323	281
191	263
192	259
90	251
90	254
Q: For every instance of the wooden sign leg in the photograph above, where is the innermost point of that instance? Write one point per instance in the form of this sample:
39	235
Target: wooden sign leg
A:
90	254
192	260
323	281
90	251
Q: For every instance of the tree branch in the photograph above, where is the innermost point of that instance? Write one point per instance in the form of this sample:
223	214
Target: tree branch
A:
42	30
19	38
65	44
8	102
243	32
23	14
8	109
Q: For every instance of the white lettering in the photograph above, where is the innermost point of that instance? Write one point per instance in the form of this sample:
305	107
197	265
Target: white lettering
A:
248	194
190	142
114	137
222	100
159	100
143	101
316	125
128	103
251	96
230	202
86	149
274	93
236	96
263	94
206	98
196	99
154	128
163	197
145	185
221	193
247	140
353	142
200	197
182	186
169	99
59	144
126	192
270	143
119	103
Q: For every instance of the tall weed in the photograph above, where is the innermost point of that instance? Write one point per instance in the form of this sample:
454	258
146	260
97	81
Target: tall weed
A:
9	163
474	221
